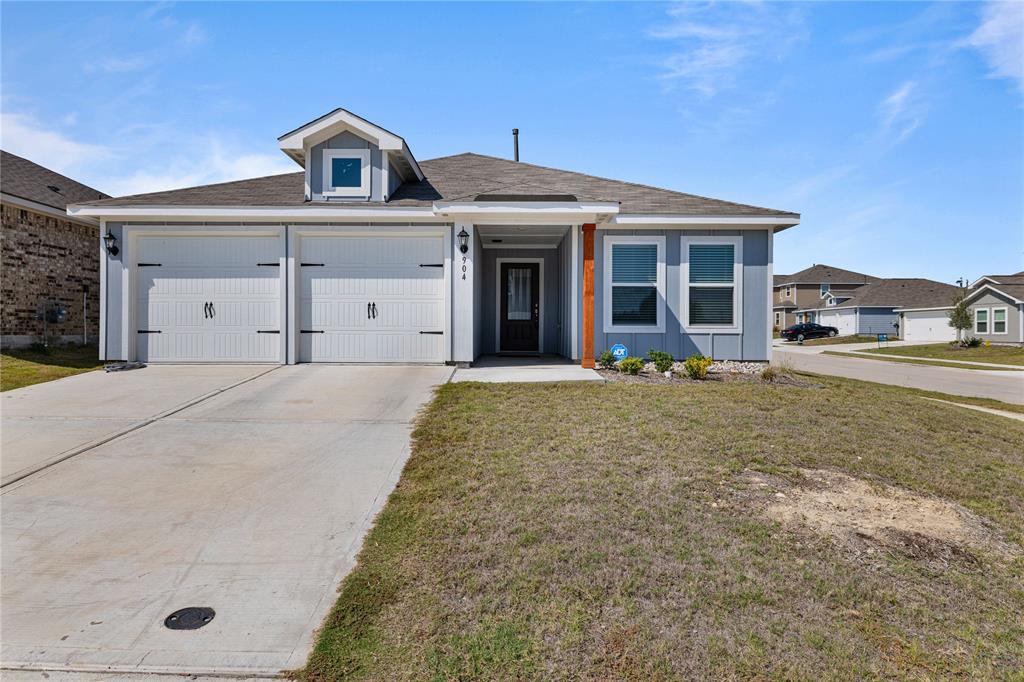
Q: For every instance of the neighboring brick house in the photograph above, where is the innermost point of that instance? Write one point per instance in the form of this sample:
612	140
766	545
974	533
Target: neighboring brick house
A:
807	288
47	260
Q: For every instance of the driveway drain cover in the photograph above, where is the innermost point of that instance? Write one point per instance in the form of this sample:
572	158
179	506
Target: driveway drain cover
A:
191	618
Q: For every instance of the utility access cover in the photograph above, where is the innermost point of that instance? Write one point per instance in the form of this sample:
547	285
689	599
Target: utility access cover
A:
190	618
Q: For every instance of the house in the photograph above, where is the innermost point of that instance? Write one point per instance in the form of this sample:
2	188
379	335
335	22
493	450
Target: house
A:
369	255
996	303
51	271
874	308
807	288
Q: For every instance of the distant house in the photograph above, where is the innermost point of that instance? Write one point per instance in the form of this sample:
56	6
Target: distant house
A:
807	289
50	261
875	308
996	303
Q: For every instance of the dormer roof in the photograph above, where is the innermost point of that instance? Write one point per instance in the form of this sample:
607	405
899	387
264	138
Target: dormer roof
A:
297	143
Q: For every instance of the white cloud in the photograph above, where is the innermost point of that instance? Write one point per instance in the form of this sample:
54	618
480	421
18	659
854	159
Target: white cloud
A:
23	135
117	65
714	43
1000	39
145	159
901	112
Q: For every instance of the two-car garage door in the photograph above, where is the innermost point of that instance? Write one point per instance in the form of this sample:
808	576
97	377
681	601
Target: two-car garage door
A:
357	299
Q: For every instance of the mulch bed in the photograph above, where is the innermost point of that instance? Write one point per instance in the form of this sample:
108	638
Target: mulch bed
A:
718	377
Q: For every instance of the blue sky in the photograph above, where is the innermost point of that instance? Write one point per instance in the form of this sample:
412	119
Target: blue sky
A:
897	130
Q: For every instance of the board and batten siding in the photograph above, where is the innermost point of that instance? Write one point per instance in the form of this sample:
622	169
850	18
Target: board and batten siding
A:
345	140
752	341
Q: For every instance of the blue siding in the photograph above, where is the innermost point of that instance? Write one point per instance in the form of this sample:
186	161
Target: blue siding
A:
750	344
877	321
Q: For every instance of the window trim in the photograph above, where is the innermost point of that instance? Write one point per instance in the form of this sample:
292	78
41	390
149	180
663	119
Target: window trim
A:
364	187
992	320
823	289
787	292
988	320
737	285
659	285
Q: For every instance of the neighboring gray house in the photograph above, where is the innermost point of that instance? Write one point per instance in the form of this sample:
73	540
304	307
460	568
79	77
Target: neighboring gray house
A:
997	308
368	255
874	308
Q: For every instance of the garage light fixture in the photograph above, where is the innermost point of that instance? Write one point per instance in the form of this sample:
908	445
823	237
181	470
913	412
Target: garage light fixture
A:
463	240
110	241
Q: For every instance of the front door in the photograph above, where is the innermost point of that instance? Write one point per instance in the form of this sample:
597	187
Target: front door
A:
520	308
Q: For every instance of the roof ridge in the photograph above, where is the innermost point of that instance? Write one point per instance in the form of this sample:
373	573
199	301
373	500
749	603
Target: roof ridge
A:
604	179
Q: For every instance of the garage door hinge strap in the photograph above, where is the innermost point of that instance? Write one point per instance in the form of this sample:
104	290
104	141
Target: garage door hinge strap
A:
150	331
422	332
267	331
149	265
312	265
268	265
311	331
431	265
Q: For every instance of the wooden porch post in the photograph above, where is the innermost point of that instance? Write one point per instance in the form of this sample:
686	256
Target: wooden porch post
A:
588	295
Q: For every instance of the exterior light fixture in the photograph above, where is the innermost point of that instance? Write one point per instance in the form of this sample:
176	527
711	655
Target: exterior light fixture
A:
110	241
463	240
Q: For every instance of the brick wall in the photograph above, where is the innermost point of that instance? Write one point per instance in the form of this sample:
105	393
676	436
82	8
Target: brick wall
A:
46	258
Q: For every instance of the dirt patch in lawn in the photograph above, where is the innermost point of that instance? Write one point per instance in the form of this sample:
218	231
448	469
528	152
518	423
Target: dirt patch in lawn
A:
868	517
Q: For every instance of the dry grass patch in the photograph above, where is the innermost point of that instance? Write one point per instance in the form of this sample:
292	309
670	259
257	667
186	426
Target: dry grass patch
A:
606	531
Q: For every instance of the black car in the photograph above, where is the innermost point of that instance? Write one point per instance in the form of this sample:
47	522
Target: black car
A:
807	330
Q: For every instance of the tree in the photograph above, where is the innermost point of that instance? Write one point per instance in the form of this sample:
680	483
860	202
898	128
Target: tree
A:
959	315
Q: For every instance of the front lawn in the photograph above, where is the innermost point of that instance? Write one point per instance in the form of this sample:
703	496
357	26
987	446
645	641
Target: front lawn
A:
27	366
1000	355
916	361
649	532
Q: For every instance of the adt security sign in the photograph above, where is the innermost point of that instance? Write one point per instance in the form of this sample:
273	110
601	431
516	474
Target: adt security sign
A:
619	351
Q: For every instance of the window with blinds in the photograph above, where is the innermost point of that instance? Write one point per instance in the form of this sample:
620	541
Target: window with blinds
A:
711	284
634	284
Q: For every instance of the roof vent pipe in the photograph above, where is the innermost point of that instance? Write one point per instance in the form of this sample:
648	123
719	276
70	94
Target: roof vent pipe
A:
515	143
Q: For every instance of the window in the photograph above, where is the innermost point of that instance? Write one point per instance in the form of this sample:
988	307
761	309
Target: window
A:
981	320
823	289
634	284
999	320
346	172
712	272
778	319
788	292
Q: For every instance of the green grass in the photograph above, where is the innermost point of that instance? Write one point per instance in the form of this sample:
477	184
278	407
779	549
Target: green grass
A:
1002	355
909	361
28	366
826	341
580	531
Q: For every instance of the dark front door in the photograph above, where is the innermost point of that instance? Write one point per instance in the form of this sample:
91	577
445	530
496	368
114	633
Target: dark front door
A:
520	307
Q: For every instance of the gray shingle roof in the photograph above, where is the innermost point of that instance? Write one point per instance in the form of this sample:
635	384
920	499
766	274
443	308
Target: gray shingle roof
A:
462	177
826	274
22	178
1015	289
910	292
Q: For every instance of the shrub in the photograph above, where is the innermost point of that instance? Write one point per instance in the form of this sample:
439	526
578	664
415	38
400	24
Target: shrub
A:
770	374
971	342
662	361
697	365
606	360
631	365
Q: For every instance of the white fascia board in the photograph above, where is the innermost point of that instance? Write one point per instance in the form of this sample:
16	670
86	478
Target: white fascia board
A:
920	310
989	287
51	211
630	220
407	153
328	126
273	213
518	211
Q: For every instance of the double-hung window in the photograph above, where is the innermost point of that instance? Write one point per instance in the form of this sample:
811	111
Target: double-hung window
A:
981	320
634	284
712	284
999	320
346	172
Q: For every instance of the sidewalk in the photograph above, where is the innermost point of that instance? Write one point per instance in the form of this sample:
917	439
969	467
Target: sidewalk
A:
974	363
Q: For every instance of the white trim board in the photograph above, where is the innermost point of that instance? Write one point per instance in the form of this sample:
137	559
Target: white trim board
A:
365	183
684	284
660	285
497	301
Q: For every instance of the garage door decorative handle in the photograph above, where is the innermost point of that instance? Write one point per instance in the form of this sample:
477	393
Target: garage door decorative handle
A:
311	331
367	311
268	265
431	265
423	332
148	265
150	331
375	310
267	331
206	311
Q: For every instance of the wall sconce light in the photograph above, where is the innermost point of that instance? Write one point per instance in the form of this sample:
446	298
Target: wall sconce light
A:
110	241
463	240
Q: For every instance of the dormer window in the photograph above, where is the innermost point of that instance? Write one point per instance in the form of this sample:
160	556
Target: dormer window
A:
347	172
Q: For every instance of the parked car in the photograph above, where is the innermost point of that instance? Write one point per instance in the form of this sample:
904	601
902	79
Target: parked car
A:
807	330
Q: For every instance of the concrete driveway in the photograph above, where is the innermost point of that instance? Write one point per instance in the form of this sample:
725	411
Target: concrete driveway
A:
244	489
1005	386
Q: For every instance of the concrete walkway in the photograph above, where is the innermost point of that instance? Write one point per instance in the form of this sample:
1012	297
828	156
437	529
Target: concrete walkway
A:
1005	386
978	408
253	501
522	369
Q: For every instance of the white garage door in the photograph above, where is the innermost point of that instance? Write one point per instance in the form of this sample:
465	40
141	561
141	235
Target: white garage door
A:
932	325
371	299
843	320
208	299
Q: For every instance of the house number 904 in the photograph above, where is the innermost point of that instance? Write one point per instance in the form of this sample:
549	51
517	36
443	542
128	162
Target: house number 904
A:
464	259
